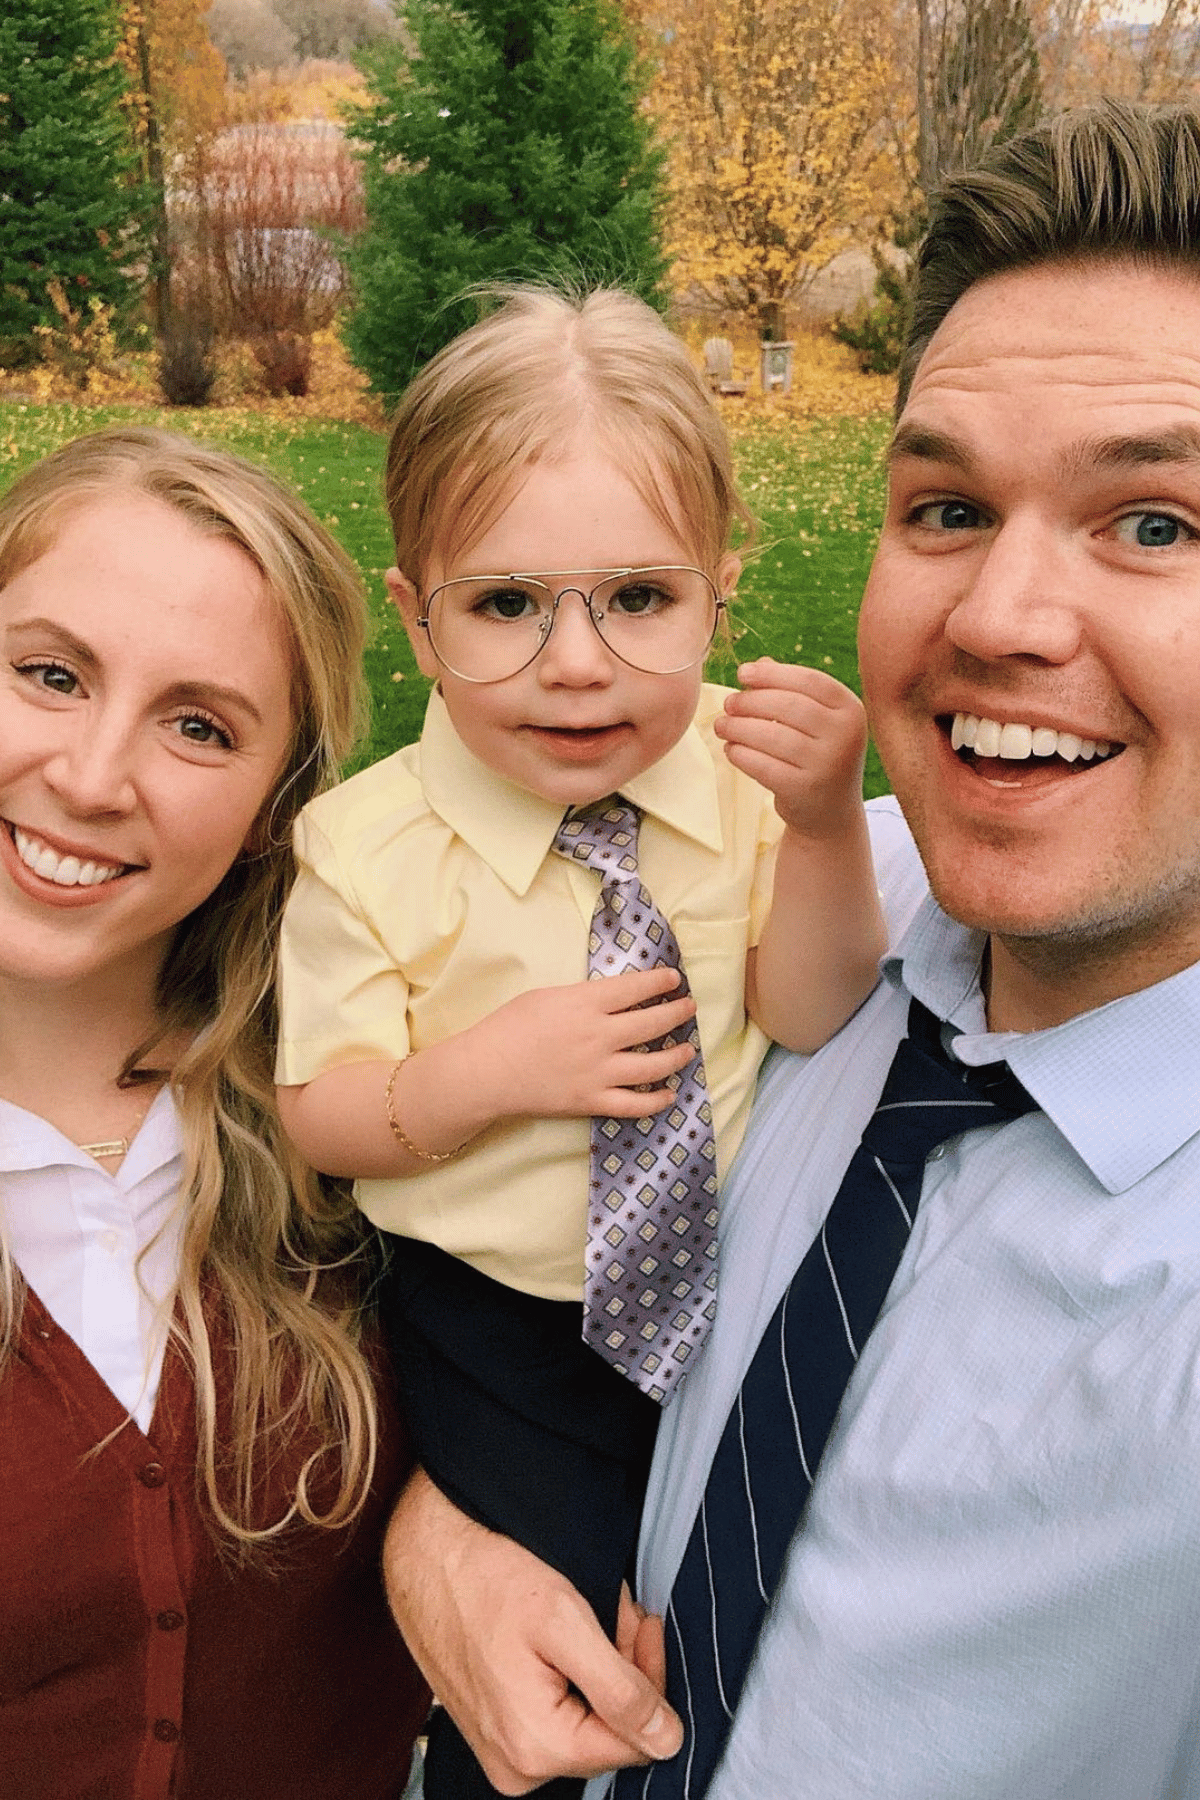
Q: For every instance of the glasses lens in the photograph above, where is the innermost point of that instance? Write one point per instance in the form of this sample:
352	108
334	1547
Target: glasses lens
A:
659	620
487	628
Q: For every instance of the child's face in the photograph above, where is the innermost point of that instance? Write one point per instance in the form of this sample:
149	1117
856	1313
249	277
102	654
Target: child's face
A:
576	723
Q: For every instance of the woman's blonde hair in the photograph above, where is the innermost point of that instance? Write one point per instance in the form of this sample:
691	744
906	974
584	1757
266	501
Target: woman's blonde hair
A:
260	1230
520	386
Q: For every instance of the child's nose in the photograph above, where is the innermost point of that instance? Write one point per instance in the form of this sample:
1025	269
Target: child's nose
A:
575	652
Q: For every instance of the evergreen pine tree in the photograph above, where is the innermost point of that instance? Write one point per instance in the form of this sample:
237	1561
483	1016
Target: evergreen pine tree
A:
69	203
506	143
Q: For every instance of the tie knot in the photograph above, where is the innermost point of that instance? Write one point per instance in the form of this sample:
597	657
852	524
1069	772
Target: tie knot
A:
929	1096
605	838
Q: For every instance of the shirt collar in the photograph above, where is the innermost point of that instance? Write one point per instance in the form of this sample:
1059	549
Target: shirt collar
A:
28	1142
1119	1082
512	830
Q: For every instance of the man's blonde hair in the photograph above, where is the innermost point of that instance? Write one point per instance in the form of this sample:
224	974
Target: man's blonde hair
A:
259	1228
1114	180
519	387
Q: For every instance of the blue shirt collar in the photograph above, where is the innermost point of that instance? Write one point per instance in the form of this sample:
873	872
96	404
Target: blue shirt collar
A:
1118	1082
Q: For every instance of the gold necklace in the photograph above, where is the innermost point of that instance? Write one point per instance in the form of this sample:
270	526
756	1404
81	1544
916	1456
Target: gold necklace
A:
108	1147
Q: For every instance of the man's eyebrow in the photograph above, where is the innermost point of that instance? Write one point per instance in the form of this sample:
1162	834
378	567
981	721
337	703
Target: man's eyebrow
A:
1137	450
924	444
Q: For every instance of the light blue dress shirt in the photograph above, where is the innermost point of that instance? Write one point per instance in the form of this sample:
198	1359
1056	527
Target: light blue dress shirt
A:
996	1592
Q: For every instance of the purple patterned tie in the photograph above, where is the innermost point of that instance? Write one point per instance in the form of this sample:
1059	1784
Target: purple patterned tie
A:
652	1214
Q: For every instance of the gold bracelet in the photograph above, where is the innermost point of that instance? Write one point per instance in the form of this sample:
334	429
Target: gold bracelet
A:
398	1131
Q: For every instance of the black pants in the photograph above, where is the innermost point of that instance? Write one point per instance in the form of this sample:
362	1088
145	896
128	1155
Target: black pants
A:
527	1430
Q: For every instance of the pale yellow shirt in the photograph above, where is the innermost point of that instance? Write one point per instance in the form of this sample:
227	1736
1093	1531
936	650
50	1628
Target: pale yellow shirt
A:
429	895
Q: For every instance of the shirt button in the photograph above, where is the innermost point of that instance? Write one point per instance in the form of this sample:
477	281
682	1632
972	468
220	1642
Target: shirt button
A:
152	1475
166	1730
110	1241
168	1620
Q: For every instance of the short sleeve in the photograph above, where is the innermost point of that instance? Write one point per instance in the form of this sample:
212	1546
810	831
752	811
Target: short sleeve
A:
342	998
762	886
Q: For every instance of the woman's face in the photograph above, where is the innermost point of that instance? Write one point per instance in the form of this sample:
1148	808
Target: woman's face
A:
145	715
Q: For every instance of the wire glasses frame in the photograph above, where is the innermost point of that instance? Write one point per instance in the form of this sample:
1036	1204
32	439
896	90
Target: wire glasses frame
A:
659	627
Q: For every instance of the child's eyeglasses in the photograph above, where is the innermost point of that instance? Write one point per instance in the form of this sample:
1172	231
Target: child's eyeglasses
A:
488	627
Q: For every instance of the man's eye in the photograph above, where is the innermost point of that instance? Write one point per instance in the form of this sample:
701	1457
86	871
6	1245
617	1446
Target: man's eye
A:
56	678
947	515
1152	530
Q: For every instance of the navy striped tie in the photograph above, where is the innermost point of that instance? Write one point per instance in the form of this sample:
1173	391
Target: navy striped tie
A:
765	1463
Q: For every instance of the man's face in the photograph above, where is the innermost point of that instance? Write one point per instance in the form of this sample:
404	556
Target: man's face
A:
1037	586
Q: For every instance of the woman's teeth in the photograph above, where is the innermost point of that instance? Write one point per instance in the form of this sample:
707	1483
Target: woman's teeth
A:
986	737
64	871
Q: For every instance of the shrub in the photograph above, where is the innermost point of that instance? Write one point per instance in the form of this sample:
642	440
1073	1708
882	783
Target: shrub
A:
81	343
285	358
187	366
876	332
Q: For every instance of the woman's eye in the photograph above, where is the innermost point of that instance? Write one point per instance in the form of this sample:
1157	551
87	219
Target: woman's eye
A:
947	515
1152	530
56	678
196	728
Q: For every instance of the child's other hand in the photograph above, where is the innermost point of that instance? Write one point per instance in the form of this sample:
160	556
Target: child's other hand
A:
576	1052
801	734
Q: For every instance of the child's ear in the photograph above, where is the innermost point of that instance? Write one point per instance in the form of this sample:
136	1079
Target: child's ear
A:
407	604
729	570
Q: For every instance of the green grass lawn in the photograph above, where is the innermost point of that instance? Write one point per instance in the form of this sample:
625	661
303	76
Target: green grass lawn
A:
816	487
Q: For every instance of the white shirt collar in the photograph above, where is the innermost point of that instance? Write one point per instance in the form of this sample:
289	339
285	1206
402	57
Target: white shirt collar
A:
28	1142
1118	1082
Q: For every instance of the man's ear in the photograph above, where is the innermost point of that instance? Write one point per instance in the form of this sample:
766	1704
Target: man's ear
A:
729	570
407	604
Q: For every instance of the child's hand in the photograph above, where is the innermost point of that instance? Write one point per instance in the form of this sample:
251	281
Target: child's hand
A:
574	1052
802	735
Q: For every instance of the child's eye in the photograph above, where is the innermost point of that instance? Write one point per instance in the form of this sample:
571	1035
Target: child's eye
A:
506	603
636	598
54	677
199	729
1149	530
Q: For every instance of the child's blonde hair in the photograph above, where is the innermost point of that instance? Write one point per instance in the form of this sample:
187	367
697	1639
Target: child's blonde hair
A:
519	387
259	1228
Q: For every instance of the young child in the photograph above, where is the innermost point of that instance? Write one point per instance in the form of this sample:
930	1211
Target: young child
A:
579	804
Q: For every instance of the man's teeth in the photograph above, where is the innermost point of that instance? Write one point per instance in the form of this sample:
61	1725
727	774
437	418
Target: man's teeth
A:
987	737
64	871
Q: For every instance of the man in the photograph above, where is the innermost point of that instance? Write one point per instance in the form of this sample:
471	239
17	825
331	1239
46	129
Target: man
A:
995	1588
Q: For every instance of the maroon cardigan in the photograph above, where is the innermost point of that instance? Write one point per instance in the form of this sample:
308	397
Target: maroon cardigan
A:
134	1661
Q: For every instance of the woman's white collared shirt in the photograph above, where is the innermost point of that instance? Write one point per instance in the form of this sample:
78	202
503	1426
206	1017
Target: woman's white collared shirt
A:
77	1233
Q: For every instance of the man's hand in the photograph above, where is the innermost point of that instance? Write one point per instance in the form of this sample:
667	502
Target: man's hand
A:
803	735
574	1052
504	1641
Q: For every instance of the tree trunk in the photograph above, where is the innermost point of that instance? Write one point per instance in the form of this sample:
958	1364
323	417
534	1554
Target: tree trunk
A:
160	280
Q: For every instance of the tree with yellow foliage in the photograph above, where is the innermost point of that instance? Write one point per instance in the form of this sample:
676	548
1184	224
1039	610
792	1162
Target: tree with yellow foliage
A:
177	94
772	110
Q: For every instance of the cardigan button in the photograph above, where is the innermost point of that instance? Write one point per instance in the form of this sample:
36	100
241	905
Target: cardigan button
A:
166	1730
152	1475
168	1620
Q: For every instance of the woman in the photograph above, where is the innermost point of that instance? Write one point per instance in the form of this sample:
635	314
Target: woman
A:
197	1448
